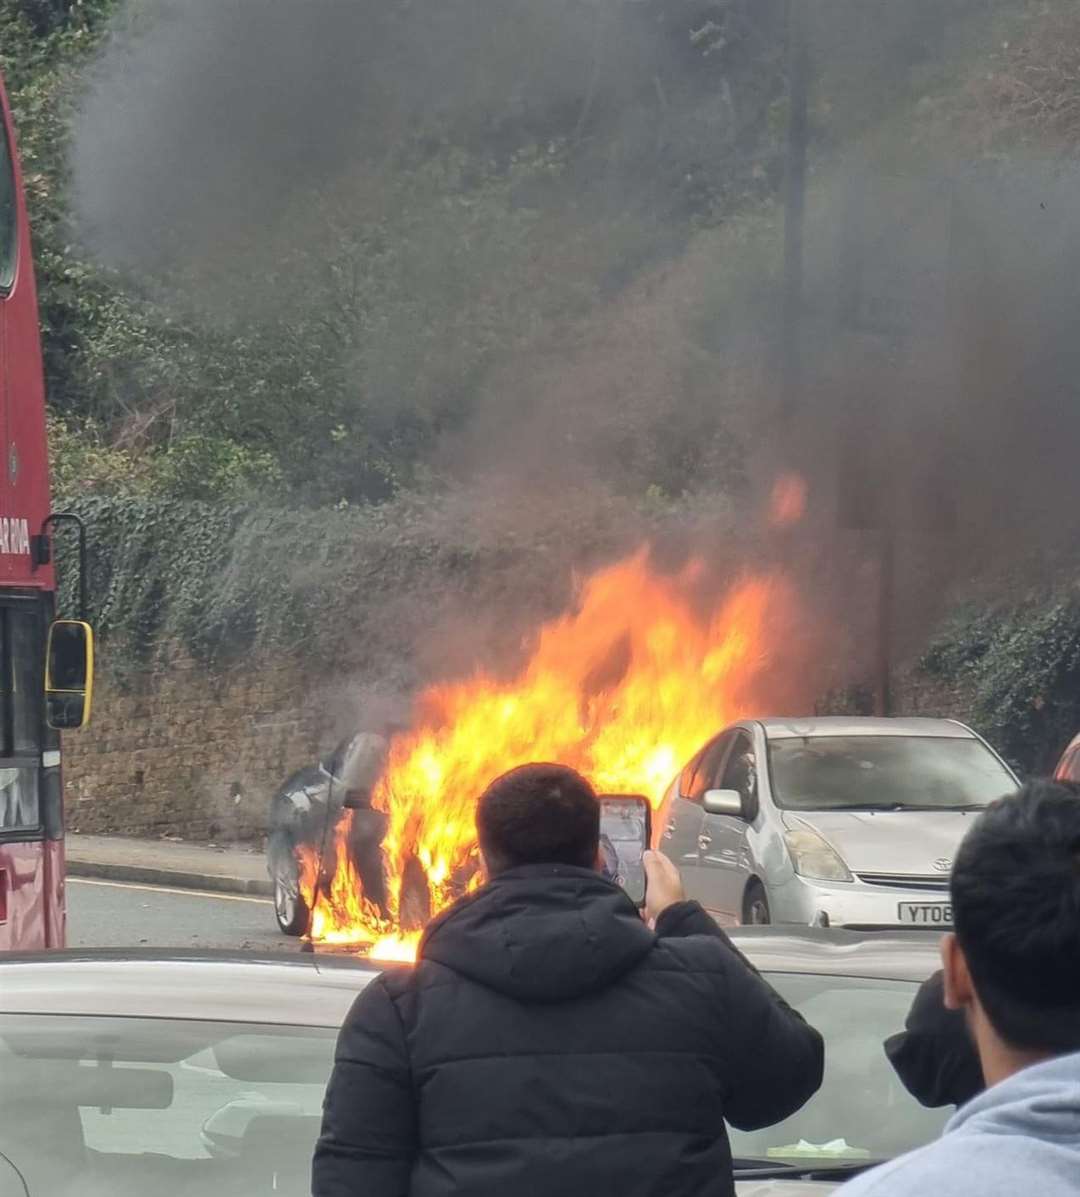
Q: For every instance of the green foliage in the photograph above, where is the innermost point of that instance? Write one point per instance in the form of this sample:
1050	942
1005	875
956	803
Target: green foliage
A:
386	303
330	356
43	47
350	591
229	581
962	644
81	460
1023	668
222	581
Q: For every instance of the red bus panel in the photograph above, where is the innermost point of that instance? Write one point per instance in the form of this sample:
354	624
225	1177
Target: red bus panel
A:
31	800
24	469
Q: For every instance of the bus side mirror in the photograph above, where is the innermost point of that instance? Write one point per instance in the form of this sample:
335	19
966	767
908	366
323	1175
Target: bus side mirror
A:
69	674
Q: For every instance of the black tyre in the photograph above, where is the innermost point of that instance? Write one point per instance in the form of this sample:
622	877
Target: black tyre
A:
756	906
414	906
290	909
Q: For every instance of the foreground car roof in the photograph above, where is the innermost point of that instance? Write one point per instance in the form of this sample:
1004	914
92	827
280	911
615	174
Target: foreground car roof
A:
317	990
300	990
839	725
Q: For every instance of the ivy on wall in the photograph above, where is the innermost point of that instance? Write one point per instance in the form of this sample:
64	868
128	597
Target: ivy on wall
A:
226	581
1022	665
329	587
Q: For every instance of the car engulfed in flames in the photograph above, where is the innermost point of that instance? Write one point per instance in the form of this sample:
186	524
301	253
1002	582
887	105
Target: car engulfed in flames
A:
625	687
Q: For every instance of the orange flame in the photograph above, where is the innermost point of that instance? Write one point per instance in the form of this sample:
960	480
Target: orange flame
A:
626	688
787	503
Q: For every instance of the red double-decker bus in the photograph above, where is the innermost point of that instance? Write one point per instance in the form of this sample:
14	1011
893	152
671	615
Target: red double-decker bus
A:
36	654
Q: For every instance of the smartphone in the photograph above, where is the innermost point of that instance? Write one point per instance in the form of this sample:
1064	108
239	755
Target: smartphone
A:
625	833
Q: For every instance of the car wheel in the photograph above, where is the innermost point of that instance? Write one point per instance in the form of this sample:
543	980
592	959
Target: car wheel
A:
414	906
290	909
756	906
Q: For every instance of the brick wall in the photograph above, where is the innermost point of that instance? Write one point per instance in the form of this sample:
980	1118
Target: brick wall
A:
177	751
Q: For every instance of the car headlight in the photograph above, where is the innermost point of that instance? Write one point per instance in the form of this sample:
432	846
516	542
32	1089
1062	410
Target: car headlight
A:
813	857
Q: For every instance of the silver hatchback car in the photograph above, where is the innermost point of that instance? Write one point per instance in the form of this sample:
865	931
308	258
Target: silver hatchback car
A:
841	822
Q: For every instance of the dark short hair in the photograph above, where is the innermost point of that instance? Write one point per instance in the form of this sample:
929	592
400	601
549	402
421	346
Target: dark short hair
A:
539	814
1016	908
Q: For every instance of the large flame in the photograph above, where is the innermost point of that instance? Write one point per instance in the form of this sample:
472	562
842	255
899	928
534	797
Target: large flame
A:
625	689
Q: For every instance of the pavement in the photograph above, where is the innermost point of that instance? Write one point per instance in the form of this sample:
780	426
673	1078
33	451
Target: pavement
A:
172	863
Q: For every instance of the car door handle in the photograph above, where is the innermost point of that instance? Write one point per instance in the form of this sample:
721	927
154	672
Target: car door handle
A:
669	830
704	842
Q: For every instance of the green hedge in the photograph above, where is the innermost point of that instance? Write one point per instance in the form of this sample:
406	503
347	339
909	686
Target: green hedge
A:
227	581
1022	665
329	587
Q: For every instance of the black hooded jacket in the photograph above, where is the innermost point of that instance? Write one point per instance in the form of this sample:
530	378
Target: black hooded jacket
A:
934	1055
548	1043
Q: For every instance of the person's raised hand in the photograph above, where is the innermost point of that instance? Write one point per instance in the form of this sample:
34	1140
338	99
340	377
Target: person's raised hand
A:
663	885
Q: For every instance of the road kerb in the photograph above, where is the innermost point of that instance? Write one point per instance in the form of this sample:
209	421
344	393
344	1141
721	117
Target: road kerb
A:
171	878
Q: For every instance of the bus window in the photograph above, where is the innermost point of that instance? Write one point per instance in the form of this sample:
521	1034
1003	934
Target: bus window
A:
21	715
8	230
18	799
25	636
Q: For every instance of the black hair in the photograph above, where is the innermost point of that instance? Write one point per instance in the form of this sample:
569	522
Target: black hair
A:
539	814
1016	908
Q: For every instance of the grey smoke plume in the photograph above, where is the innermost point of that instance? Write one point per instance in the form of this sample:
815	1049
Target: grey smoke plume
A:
940	348
208	115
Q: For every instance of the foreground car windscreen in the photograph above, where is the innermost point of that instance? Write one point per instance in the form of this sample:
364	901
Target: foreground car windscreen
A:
862	1114
885	773
125	1107
11	1181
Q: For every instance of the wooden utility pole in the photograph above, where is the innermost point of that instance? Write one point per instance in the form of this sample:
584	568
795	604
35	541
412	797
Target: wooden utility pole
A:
886	589
795	201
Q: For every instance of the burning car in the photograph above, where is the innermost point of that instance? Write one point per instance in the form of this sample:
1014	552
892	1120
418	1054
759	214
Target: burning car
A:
324	812
307	812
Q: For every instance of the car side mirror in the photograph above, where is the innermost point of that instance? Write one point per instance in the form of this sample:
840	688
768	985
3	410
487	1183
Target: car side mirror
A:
69	674
723	802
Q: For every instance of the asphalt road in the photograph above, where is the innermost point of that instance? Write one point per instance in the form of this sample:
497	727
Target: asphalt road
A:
110	914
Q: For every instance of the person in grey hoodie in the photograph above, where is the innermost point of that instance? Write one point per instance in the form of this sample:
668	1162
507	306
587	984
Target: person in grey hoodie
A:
1013	967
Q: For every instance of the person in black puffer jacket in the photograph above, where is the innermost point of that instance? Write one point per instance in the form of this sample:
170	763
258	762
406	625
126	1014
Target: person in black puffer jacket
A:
935	1055
549	1043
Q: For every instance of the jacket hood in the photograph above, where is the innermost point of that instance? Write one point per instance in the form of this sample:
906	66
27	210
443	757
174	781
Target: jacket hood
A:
541	933
1039	1102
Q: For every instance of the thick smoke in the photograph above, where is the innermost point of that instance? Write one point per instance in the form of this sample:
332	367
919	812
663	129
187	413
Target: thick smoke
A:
209	115
942	372
939	348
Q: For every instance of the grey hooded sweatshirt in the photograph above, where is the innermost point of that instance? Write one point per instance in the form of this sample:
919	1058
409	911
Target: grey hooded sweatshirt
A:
1020	1137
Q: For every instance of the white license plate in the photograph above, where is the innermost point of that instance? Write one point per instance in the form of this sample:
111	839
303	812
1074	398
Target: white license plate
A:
925	914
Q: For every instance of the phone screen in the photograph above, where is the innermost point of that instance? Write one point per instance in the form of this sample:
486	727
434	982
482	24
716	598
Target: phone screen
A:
625	830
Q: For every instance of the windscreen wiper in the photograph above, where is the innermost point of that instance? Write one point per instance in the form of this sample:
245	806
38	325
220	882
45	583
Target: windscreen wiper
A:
893	806
803	1170
761	1169
938	806
868	806
834	1170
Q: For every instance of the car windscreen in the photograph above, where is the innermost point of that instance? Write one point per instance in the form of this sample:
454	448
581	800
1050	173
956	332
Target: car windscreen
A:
885	773
861	1112
123	1107
11	1180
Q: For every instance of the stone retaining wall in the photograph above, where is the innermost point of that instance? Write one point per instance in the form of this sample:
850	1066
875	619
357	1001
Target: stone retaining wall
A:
176	751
